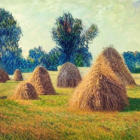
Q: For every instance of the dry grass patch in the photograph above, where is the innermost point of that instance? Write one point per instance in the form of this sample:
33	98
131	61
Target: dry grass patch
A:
40	119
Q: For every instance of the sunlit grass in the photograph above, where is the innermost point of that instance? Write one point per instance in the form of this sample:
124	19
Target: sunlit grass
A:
50	118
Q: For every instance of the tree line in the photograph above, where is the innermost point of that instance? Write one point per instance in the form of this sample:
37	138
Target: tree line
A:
132	60
72	40
71	37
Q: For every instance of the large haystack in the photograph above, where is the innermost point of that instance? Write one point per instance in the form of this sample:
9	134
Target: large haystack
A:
3	76
112	58
100	90
69	76
18	75
25	91
42	82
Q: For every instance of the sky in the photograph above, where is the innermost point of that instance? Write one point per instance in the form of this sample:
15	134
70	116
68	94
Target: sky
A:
118	22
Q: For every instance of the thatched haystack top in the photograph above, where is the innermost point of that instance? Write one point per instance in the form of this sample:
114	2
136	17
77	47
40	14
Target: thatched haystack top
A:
111	57
3	76
69	76
99	90
25	91
18	75
40	78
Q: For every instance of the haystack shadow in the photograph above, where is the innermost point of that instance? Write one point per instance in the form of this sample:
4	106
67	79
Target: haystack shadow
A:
134	105
3	97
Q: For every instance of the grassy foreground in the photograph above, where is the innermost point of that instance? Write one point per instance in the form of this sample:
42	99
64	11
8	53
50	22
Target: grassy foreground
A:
50	118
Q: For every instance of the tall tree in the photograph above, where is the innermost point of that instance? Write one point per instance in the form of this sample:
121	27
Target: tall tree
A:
10	32
70	35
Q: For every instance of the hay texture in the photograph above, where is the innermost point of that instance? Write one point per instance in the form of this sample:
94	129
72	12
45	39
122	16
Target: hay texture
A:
18	75
69	76
113	59
3	76
100	90
25	91
40	79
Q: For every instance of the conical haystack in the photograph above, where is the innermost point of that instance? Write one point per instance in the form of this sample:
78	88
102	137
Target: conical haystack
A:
18	75
99	90
42	82
69	76
112	58
25	91
3	76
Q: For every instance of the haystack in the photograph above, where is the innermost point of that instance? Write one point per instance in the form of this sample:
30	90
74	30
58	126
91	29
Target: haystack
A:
69	76
100	90
112	58
3	76
25	91
18	75
42	82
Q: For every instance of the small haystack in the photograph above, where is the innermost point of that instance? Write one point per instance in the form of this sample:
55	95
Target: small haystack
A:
3	76
42	82
100	90
18	75
25	91
69	76
112	58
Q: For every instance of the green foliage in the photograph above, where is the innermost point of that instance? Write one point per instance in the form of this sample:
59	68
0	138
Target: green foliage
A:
70	35
82	57
78	60
10	32
31	60
132	60
137	70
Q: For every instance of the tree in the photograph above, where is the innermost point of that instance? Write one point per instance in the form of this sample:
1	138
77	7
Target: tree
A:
82	57
10	61
52	59
55	58
130	60
35	55
10	32
69	34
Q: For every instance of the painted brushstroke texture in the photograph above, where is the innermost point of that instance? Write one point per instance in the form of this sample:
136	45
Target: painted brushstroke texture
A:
118	21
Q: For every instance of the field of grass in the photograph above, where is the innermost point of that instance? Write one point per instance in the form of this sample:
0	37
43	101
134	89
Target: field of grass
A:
50	118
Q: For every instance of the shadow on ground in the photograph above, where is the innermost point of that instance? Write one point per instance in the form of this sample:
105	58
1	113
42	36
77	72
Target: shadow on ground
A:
134	105
3	97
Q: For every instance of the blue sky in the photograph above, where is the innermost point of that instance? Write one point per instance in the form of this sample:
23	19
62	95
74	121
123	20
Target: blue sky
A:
117	20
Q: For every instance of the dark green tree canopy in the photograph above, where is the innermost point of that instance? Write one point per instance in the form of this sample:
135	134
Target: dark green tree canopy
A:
10	32
70	35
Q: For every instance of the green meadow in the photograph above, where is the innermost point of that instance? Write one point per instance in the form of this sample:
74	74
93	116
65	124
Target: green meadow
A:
50	118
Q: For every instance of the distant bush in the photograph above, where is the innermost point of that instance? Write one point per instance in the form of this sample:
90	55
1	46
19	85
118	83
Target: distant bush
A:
137	70
132	60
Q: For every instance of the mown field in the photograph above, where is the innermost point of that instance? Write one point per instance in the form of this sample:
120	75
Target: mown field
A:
50	118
